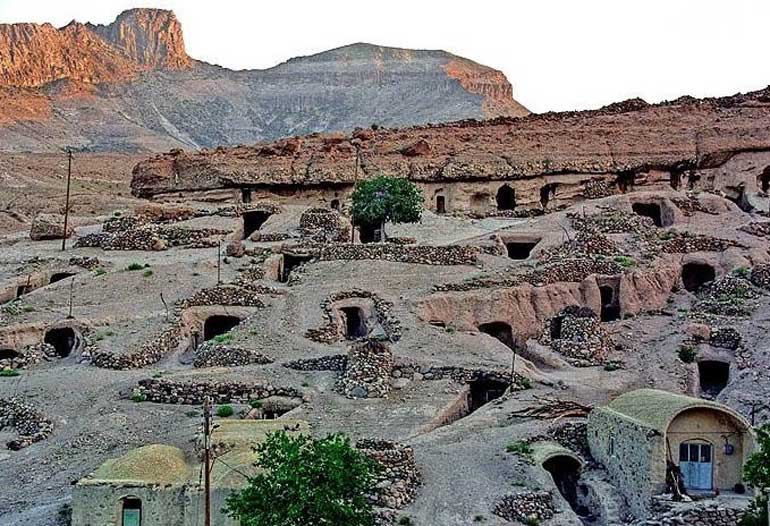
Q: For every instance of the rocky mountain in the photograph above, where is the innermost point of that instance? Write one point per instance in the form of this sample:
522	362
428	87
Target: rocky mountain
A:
130	86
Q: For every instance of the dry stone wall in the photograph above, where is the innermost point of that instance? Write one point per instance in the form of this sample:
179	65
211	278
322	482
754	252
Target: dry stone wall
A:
578	335
416	254
367	371
398	484
211	354
331	332
30	424
322	225
529	507
165	391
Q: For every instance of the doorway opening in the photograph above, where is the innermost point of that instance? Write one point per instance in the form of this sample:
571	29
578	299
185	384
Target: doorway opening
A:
625	181
21	290
610	298
245	195
520	249
131	512
217	325
440	204
763	180
290	262
253	221
506	198
695	275
335	205
369	233
651	210
565	472
60	276
714	376
501	331
696	464
8	354
354	323
676	179
547	192
483	391
63	340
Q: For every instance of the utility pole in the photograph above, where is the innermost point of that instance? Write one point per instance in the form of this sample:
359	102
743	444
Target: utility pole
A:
67	201
207	460
72	286
219	262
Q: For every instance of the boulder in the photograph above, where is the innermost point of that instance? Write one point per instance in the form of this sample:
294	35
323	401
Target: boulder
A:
49	226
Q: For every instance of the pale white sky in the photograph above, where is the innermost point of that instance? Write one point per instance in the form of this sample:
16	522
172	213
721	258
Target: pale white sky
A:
559	54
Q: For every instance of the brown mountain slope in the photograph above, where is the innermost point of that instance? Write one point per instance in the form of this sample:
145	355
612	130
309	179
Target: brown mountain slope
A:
625	137
130	86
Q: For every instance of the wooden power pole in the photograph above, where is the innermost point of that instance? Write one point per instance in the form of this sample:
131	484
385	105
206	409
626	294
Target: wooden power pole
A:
67	201
207	460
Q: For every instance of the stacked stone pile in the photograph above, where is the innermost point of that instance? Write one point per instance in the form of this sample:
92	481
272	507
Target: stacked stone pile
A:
725	338
229	295
612	221
417	254
30	355
397	485
757	228
122	223
269	237
695	514
129	233
322	225
597	188
586	242
31	425
690	204
577	334
730	295
149	353
191	238
135	239
760	276
165	391
685	243
331	331
334	362
528	507
462	375
86	262
573	436
211	354
367	371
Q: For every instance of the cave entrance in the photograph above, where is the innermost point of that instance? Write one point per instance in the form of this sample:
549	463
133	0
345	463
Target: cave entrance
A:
520	249
547	192
625	181
695	275
369	234
499	330
610	298
290	262
565	472
8	354
676	179
354	322
506	198
60	276
483	391
714	376
21	290
253	221
245	195
651	210
63	340
738	196
763	180
440	204
335	204
218	324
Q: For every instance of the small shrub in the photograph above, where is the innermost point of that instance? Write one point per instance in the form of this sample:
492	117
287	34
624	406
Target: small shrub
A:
117	213
449	329
28	308
625	261
532	521
524	382
223	338
612	366
520	448
147	273
405	520
9	373
479	518
192	414
255	404
134	266
224	411
138	397
100	272
742	272
687	353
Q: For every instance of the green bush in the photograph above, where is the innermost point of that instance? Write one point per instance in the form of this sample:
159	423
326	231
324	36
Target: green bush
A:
383	199
9	373
223	338
147	273
687	353
225	410
134	266
99	272
255	404
138	397
612	366
625	261
532	521
521	449
405	520
756	472
742	272
303	480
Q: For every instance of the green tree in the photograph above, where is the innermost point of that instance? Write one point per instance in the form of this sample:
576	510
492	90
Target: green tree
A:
382	199
756	472
307	481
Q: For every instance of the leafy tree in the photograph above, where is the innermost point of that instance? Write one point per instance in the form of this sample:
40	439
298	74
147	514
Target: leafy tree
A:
307	481
382	199
756	472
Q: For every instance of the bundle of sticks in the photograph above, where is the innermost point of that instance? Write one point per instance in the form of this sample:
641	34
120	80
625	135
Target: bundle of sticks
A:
551	408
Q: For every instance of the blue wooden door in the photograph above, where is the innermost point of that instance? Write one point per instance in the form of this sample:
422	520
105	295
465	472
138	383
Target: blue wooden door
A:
696	461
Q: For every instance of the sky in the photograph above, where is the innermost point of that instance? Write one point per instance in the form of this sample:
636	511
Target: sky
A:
558	54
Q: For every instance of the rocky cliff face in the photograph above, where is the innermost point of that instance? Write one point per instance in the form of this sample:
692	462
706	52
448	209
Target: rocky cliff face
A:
130	86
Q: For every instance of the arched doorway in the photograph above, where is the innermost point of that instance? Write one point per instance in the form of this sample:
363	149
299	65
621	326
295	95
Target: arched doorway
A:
63	340
763	180
131	512
354	323
499	330
506	198
714	376
8	354
253	221
565	471
335	204
483	391
695	275
218	324
547	192
520	250
440	204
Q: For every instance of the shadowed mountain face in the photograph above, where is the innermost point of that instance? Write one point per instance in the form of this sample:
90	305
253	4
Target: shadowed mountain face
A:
130	86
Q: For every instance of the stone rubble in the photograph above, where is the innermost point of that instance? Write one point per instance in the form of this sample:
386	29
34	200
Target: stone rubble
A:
367	370
398	484
577	334
323	225
30	424
212	354
526	506
164	391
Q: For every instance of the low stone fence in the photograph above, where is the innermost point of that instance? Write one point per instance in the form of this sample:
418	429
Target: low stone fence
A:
229	295
577	334
686	243
30	355
164	391
418	254
211	354
529	507
708	513
31	425
151	238
322	225
335	362
398	484
150	353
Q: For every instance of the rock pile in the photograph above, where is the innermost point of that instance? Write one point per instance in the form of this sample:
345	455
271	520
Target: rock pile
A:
397	485
586	242
323	225
86	262
461	375
31	425
577	334
573	436
730	295
150	353
685	243
229	295
596	189
418	254
757	228
708	513
760	276
30	355
367	371
690	204
332	331
212	354
725	338
529	507
334	362
165	391
128	233
49	226
612	221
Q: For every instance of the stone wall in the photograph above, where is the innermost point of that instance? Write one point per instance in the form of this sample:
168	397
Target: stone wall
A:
212	354
578	335
529	507
397	485
418	254
323	225
630	453
367	371
332	331
30	424
165	391
30	355
708	513
149	353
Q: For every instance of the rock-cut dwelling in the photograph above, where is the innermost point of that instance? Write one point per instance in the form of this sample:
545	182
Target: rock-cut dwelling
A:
641	435
159	485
